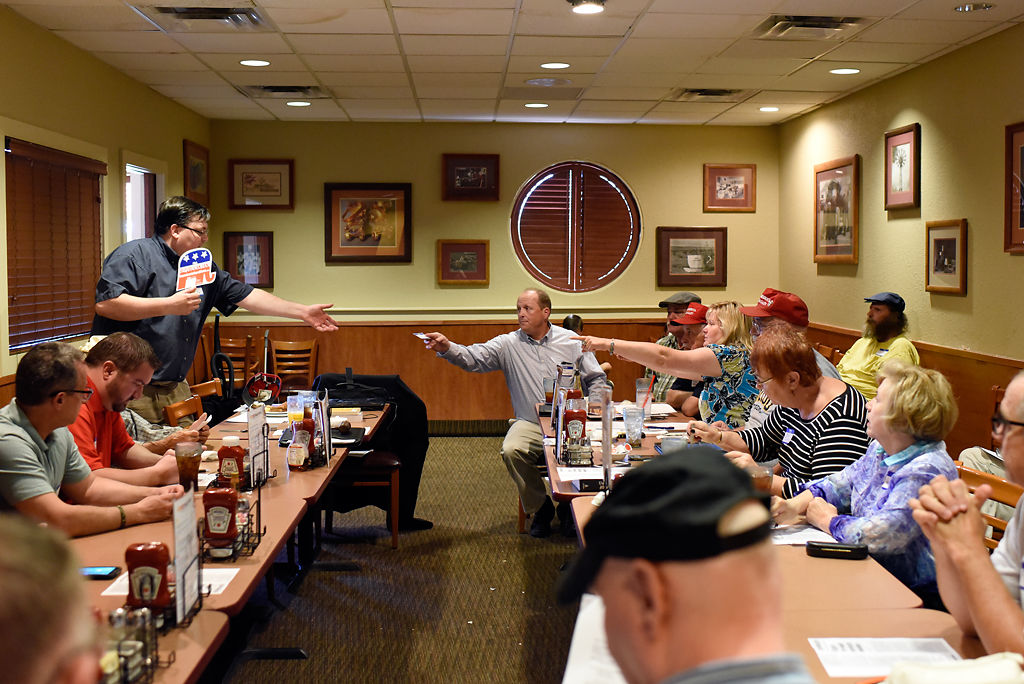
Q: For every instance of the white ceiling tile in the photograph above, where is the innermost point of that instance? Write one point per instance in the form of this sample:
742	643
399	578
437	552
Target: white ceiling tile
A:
370	63
709	108
788	97
574	80
601	118
777	49
556	111
760	7
266	43
483	63
371	92
460	4
816	76
843	8
70	3
587	65
127	61
341	78
94	17
723	65
480	110
319	110
636	79
669	50
382	110
676	26
270	78
343	44
320	4
625	93
731	81
176	77
428	80
230	62
565	47
616	106
546	18
204	92
458	92
455	45
863	51
120	41
653	64
924	31
476	22
331	20
1002	10
680	118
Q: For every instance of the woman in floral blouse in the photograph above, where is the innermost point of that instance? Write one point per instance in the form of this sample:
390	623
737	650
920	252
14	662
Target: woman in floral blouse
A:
866	503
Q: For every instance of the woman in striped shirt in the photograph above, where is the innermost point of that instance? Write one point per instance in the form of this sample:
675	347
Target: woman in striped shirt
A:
817	427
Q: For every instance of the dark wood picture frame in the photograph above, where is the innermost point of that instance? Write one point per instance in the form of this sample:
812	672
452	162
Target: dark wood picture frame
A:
470	177
730	187
903	167
691	256
463	262
249	257
1013	227
945	263
196	170
261	184
837	210
367	222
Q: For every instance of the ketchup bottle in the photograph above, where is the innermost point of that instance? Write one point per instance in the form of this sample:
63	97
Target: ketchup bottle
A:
232	461
574	418
220	527
147	575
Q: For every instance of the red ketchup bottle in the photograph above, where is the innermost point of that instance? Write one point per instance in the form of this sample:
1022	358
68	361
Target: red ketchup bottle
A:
574	417
232	461
220	527
147	575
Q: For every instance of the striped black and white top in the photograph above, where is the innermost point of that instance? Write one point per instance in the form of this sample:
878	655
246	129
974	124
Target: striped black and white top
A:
811	449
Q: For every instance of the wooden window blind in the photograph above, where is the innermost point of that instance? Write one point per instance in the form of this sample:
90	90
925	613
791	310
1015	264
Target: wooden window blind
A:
575	226
53	242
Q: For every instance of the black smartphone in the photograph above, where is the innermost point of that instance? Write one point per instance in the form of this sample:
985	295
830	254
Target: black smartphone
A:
101	572
836	550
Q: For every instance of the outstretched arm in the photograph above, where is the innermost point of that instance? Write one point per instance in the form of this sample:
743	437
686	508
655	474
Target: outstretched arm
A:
266	304
691	363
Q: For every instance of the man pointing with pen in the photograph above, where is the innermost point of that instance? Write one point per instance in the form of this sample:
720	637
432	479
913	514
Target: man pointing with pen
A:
138	292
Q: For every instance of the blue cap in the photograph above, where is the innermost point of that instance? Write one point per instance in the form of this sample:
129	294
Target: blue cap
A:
890	299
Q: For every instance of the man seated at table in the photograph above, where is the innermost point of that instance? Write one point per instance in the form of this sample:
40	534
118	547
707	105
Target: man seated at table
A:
983	593
680	554
885	338
687	329
159	438
117	368
675	307
49	632
526	356
40	464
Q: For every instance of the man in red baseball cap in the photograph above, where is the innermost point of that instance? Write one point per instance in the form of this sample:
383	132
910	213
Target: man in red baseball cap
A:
688	331
675	307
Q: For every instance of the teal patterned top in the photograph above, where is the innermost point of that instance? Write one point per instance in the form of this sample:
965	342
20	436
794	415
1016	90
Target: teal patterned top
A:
729	396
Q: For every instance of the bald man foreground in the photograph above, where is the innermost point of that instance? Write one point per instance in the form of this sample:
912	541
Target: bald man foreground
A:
680	554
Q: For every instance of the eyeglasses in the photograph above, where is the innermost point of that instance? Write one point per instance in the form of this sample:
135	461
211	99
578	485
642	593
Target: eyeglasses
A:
200	233
999	424
759	383
86	393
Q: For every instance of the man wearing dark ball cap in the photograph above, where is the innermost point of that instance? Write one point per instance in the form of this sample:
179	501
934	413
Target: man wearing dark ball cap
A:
885	338
680	554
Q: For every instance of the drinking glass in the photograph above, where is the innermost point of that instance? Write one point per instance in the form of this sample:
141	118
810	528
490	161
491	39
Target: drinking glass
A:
633	417
188	455
643	396
295	408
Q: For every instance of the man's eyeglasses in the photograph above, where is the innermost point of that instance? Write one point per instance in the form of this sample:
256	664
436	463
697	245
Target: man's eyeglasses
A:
200	233
86	393
999	424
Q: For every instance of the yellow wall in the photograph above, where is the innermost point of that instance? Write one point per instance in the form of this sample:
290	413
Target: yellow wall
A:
963	102
662	164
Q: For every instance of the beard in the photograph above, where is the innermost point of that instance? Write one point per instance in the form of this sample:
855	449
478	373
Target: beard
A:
884	330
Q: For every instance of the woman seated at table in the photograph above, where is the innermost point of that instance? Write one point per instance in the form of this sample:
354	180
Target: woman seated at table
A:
723	363
866	502
817	426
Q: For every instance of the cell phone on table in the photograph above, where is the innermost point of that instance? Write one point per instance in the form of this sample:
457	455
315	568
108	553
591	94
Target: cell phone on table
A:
820	549
100	572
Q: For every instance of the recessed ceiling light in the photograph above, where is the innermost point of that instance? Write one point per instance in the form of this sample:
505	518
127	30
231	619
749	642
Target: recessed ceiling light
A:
587	6
254	62
555	65
297	103
973	7
844	72
535	105
769	109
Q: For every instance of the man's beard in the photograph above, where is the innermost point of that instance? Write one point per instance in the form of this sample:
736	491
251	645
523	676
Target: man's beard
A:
888	328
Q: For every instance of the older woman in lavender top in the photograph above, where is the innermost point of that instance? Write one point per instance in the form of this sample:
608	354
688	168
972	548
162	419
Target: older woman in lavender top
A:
866	503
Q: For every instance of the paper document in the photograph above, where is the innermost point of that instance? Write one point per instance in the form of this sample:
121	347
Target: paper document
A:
798	535
217	579
874	657
589	660
566	473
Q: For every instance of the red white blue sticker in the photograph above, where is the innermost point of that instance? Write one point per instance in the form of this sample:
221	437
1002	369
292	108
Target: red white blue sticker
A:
195	269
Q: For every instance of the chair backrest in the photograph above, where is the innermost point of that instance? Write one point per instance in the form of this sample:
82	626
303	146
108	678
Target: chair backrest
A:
1003	491
837	357
242	352
295	362
208	389
997	398
192	406
825	351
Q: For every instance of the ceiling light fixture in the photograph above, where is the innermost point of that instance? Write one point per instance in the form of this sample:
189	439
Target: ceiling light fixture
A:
769	109
844	72
297	103
535	105
974	7
254	62
587	6
555	65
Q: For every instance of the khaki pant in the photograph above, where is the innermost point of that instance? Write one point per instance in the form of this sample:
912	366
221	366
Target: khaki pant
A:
156	396
521	451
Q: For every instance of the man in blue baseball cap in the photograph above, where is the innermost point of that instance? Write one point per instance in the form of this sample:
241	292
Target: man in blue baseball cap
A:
884	339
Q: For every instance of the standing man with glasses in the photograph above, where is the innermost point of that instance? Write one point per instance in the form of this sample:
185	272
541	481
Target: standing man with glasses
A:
137	292
985	594
40	466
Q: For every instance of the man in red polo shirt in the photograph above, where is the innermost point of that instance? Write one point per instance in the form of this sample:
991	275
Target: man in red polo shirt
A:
118	367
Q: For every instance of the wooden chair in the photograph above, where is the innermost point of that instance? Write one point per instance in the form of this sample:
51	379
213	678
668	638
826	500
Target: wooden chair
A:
378	469
193	406
825	350
211	388
1003	491
294	362
997	398
242	352
837	357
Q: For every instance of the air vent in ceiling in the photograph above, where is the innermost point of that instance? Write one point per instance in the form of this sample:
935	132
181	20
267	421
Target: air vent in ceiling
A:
553	93
710	95
795	27
205	19
274	92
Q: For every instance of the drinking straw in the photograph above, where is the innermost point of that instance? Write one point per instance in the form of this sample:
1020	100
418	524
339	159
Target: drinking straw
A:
650	388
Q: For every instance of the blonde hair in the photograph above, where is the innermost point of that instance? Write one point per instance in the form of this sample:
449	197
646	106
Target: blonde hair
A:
921	400
735	325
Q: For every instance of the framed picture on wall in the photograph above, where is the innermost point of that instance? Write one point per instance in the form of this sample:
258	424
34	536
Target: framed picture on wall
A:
462	262
261	183
730	187
249	257
367	222
1013	236
837	210
903	167
946	257
469	177
196	163
691	256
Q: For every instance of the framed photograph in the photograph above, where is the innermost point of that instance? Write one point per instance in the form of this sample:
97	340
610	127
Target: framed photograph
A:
261	183
1013	236
691	256
903	167
462	262
196	163
836	210
469	177
946	257
730	187
367	222
249	257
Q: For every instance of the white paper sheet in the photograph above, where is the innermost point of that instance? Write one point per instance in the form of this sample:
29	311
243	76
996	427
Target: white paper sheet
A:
874	657
566	473
186	554
798	535
589	660
217	579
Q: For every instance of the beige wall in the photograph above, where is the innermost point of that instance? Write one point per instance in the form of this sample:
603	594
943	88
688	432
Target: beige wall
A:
963	101
662	164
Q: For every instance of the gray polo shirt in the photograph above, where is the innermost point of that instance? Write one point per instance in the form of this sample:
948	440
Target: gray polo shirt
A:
30	466
525	363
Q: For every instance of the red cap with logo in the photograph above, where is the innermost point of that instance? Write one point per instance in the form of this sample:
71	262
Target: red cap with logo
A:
696	314
784	305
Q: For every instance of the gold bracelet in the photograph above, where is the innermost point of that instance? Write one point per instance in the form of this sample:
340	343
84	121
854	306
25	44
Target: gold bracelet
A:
721	436
124	518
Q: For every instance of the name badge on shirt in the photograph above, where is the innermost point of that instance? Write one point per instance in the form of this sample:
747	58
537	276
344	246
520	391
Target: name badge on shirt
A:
881	352
788	437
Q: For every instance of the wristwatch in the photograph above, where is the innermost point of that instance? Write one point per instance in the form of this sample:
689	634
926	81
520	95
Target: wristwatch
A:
611	347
